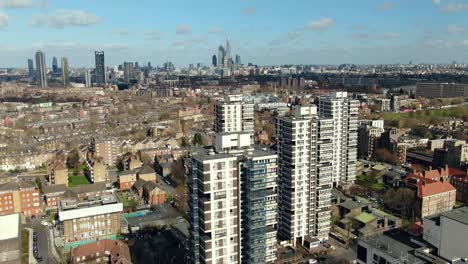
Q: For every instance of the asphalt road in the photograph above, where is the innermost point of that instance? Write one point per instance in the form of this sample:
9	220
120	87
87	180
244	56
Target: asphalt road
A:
43	242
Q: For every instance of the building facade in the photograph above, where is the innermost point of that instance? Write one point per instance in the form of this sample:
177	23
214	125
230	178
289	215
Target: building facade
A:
344	112
305	170
65	71
100	70
234	115
41	69
441	90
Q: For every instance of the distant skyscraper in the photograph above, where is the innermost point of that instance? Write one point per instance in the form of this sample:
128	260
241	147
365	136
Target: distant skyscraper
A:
237	62
128	71
214	61
54	65
227	57
149	66
41	70
137	66
65	72
221	54
344	112
100	71
31	67
88	78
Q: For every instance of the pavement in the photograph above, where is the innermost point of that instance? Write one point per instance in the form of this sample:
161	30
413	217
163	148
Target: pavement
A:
43	242
31	258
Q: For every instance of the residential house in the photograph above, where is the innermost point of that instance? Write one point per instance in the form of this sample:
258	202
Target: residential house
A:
126	179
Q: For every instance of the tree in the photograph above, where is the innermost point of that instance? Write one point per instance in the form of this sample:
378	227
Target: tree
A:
405	198
384	155
39	185
181	197
198	139
357	190
73	159
147	160
178	171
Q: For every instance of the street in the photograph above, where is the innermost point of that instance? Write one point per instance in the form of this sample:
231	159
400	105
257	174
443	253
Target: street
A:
43	242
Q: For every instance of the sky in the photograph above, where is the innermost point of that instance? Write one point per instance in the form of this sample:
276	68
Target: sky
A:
262	32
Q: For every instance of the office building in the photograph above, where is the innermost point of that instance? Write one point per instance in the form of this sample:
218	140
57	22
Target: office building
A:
41	69
100	70
344	112
89	218
221	54
30	68
128	71
214	61
305	170
369	133
234	115
237	62
55	65
10	239
65	72
88	78
441	90
227	63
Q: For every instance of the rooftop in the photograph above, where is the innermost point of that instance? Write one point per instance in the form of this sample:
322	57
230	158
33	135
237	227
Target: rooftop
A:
10	226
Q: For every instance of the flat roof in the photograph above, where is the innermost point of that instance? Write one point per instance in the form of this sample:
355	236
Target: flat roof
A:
459	214
90	211
9	227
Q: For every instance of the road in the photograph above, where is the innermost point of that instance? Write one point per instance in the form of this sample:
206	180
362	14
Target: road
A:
43	242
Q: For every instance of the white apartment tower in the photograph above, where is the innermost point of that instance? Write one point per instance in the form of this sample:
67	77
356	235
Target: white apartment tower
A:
344	113
233	197
305	152
234	115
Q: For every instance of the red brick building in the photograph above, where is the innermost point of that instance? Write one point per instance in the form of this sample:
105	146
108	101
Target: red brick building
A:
20	197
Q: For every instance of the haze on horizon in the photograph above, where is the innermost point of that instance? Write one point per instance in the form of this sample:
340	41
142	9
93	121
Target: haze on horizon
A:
262	32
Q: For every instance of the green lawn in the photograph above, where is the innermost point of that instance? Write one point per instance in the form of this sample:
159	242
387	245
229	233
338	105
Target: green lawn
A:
427	115
77	180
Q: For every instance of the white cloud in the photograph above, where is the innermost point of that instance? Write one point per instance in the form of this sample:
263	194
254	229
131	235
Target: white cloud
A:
249	10
436	2
216	30
385	6
153	35
65	18
322	24
455	29
3	20
464	43
455	7
183	30
392	35
16	3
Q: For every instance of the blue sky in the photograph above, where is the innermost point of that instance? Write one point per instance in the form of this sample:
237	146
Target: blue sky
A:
262	32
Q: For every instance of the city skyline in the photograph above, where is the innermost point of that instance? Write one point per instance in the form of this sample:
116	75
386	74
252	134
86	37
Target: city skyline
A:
330	32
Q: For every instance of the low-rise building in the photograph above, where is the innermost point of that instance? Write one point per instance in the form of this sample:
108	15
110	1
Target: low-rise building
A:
57	173
126	179
10	239
102	251
20	197
53	194
448	232
433	196
146	173
97	170
95	217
